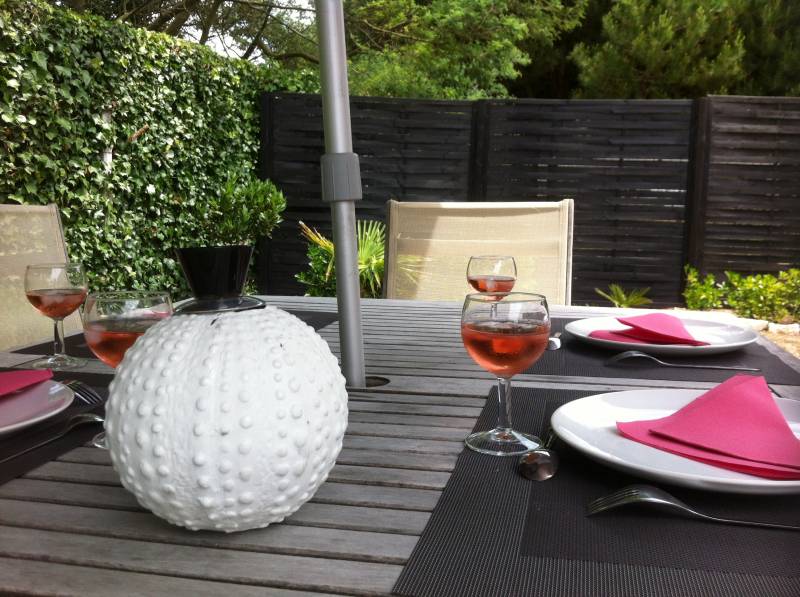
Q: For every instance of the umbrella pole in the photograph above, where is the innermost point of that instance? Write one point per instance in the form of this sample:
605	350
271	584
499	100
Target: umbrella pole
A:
341	184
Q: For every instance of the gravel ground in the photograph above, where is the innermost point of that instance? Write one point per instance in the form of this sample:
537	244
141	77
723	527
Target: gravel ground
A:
789	342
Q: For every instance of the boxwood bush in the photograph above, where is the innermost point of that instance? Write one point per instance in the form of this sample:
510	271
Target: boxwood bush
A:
759	296
175	119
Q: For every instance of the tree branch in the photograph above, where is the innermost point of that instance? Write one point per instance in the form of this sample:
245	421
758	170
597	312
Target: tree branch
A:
209	19
272	5
299	34
287	56
254	42
178	22
392	32
136	9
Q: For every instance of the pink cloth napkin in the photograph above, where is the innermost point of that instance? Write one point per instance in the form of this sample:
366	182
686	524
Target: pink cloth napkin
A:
653	328
11	381
735	425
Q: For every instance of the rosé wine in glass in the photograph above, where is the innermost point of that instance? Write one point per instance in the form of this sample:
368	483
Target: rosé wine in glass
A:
113	321
57	303
491	283
56	290
492	273
504	333
505	348
110	339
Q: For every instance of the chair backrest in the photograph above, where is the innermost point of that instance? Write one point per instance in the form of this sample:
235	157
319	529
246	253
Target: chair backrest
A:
429	246
28	234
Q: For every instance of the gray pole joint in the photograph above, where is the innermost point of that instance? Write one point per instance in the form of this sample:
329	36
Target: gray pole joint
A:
341	177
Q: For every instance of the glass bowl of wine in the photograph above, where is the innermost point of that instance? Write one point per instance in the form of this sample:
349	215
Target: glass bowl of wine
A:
113	321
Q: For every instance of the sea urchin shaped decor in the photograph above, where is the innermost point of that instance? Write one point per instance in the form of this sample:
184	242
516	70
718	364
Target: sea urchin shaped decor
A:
227	421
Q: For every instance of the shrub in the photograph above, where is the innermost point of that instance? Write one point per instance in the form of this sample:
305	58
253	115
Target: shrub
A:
791	290
177	120
320	277
702	294
244	210
759	296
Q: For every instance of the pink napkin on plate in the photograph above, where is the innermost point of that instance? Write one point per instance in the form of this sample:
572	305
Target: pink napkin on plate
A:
735	425
653	328
11	381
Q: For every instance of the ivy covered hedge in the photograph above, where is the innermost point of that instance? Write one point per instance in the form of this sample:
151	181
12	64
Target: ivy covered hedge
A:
177	119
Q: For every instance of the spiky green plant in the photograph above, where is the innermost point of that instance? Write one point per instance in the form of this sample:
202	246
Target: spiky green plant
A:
320	279
620	298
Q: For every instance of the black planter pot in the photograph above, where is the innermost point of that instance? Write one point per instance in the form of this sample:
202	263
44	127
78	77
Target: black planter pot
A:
215	272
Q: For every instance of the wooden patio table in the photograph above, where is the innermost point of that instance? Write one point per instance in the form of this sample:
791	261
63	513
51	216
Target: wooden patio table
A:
69	528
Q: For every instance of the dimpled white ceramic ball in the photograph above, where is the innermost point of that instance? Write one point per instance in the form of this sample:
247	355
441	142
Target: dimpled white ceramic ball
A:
227	421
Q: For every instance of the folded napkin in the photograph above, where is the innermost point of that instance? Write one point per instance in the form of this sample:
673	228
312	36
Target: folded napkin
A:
11	381
735	425
653	328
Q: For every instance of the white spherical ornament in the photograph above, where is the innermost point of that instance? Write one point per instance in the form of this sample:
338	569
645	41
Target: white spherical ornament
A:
226	421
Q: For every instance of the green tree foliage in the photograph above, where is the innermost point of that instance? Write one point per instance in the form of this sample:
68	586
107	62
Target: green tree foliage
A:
251	30
177	120
772	48
449	48
665	49
551	73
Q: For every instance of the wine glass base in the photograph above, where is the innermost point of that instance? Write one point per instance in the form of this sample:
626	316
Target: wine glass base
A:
56	362
502	442
99	441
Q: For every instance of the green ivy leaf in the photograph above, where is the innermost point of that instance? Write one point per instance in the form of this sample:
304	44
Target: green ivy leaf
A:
40	59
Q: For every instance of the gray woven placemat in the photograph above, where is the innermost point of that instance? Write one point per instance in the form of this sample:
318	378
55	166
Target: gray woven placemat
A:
477	542
578	358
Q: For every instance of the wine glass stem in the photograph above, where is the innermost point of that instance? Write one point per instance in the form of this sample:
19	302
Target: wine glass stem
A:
503	403
58	333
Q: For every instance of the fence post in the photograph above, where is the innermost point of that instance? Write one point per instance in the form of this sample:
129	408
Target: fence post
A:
697	184
479	151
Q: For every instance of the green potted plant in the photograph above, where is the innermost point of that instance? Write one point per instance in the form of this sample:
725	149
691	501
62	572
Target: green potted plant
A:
244	210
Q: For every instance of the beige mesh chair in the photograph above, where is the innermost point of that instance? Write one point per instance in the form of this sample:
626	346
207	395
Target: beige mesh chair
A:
28	234
429	246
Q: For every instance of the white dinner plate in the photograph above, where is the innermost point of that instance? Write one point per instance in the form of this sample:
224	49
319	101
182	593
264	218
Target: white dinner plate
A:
721	337
31	405
590	425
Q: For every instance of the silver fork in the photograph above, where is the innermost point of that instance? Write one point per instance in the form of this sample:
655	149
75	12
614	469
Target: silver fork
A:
84	393
72	422
647	494
635	354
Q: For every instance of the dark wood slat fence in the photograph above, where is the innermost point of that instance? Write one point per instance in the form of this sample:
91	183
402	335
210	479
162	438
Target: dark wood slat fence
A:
751	211
656	183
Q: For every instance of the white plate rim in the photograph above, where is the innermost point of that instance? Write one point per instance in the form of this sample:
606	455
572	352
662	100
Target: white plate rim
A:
578	329
66	400
719	479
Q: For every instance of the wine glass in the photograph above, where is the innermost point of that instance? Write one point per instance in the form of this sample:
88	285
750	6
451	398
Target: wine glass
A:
56	290
505	333
492	273
113	321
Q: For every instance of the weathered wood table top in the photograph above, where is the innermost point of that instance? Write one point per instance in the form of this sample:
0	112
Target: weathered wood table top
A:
69	528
